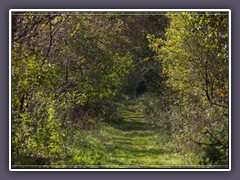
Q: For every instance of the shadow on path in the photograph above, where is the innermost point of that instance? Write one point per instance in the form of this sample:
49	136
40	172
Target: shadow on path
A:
130	125
133	140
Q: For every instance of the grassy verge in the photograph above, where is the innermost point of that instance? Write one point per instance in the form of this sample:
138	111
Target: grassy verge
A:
127	142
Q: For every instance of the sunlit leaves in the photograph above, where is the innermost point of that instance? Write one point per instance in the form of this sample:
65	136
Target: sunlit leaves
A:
194	55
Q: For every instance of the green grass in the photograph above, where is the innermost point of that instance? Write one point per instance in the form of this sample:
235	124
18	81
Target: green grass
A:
128	142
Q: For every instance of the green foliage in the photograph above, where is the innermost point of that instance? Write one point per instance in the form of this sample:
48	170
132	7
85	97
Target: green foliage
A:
72	74
37	139
194	56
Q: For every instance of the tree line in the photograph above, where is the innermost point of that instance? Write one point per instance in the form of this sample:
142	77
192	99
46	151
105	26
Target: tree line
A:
68	69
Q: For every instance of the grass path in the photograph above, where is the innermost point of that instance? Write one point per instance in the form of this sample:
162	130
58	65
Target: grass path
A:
132	143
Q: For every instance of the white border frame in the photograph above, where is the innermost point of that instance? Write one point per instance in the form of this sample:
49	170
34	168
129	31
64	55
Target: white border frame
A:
113	10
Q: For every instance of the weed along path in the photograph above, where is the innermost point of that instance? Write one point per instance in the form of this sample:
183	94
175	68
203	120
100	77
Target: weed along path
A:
132	143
